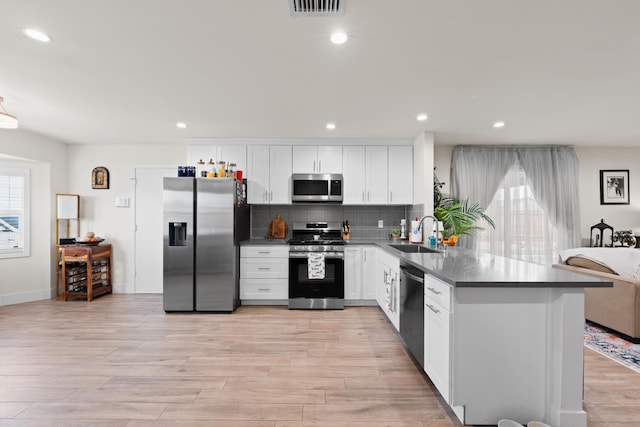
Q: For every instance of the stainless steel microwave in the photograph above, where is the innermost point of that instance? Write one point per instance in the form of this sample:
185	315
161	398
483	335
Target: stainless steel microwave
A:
316	188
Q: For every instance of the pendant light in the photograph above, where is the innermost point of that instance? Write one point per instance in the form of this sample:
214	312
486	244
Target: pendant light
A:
7	121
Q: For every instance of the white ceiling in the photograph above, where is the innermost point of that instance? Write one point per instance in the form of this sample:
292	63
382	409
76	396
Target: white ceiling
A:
125	71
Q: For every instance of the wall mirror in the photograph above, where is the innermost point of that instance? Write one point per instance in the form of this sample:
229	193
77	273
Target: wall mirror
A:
68	206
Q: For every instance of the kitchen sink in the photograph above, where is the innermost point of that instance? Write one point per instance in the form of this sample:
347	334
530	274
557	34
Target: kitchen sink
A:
414	249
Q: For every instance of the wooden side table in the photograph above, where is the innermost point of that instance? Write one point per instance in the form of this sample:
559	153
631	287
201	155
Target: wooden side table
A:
86	271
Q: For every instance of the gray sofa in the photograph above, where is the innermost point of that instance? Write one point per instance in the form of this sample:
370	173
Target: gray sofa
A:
616	308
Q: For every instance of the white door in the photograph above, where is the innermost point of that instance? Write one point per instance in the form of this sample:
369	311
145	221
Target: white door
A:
148	234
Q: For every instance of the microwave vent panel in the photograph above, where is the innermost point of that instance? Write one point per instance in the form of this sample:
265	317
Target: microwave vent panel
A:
316	7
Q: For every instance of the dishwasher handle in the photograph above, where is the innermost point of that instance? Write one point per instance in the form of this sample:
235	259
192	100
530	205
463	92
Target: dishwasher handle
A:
412	276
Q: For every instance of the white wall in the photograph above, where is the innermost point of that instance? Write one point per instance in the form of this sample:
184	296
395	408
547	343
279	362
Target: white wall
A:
98	211
592	160
423	171
620	217
33	278
442	163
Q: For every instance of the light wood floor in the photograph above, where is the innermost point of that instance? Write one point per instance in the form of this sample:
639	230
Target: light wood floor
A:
121	361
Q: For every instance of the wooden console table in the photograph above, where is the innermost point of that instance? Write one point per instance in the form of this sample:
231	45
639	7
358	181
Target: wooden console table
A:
86	271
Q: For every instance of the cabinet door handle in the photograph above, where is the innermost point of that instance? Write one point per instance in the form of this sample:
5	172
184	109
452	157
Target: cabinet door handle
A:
271	196
264	268
264	252
391	196
368	196
363	199
264	289
314	165
434	291
265	196
432	308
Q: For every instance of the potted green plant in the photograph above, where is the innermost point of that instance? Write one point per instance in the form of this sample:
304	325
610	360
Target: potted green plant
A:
395	233
458	217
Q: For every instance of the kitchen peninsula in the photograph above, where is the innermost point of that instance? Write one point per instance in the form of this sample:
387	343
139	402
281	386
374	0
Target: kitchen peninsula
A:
514	347
502	338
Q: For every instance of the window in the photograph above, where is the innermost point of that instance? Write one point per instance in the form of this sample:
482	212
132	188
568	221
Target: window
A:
523	229
14	212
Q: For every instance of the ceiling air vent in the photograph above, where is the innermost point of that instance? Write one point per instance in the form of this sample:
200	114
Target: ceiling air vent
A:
316	7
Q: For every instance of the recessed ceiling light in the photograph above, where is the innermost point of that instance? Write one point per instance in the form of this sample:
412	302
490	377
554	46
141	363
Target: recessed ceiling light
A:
181	125
331	126
421	117
37	35
338	38
498	125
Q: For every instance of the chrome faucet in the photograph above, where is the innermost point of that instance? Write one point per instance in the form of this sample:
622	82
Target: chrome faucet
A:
435	221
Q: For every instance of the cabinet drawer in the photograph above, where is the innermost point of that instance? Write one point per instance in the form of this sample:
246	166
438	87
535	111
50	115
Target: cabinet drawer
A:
264	268
264	289
280	251
439	291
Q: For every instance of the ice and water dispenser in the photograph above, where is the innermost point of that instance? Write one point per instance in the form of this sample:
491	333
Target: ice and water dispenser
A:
177	234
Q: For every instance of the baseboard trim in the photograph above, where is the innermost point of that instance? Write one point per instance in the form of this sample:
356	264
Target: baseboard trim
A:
18	298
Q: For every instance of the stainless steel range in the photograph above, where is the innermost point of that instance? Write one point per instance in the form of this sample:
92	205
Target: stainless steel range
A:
316	266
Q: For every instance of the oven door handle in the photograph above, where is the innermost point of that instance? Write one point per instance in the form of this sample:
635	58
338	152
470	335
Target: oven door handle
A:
306	255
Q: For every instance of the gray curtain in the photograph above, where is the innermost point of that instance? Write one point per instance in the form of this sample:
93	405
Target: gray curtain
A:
552	174
551	171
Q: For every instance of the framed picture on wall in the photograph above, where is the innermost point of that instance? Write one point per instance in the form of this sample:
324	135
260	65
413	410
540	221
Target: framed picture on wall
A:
100	178
614	187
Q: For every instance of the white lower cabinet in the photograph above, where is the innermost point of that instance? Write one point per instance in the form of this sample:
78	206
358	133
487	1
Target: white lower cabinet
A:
352	273
359	274
437	330
388	287
369	263
264	273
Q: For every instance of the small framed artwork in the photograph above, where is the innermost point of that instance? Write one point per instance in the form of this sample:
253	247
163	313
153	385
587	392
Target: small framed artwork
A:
614	187
100	178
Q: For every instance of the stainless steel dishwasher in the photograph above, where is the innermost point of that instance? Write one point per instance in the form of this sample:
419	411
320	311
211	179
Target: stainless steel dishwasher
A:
412	311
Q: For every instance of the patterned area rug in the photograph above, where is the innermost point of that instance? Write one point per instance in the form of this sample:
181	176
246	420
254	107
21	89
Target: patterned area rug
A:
612	346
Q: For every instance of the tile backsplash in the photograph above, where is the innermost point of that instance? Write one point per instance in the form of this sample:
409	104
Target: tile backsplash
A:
362	219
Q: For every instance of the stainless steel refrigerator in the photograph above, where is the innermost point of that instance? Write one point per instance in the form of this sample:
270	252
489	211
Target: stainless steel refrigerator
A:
204	221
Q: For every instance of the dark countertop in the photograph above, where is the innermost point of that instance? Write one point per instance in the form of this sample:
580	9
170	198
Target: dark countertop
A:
461	267
263	241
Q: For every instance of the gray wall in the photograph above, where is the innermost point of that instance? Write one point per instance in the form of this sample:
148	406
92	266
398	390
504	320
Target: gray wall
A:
362	219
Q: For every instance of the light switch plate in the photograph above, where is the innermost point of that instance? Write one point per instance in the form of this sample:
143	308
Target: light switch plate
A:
122	202
380	223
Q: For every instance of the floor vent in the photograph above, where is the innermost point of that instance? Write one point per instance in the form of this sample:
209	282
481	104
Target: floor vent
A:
316	7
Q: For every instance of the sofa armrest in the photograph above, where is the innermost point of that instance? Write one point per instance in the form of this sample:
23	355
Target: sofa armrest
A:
599	274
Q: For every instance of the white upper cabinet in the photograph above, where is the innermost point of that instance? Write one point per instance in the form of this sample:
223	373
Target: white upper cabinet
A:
228	153
258	174
376	175
268	173
364	175
353	180
233	154
400	175
280	174
317	159
329	159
